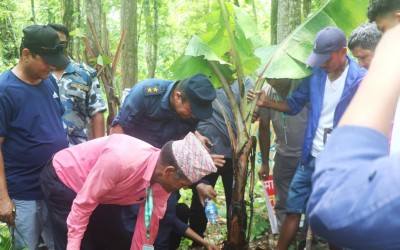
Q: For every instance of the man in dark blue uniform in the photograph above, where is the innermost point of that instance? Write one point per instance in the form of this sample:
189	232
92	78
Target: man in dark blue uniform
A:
157	111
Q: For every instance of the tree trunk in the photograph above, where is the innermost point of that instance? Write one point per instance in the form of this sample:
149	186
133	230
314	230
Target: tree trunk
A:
68	21
129	60
238	216
151	22
254	9
94	14
274	20
306	8
77	44
289	17
33	11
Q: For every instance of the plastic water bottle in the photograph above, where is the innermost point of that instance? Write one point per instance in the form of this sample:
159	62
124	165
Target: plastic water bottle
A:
211	211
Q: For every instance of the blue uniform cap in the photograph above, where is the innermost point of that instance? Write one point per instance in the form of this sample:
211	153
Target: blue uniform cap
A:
327	41
201	93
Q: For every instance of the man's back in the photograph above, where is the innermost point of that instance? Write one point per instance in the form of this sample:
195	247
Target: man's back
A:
81	97
146	114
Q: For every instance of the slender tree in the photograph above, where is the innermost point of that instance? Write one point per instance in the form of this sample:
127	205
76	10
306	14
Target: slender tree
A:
151	27
94	14
274	21
306	8
33	18
289	17
129	56
68	21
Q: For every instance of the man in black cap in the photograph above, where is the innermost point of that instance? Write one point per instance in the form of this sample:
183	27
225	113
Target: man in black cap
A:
334	80
31	131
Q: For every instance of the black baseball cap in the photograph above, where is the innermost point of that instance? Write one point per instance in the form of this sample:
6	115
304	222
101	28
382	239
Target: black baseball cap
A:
44	41
327	41
201	93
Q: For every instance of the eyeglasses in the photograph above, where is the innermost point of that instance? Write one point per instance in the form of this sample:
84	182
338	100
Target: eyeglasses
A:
56	50
60	48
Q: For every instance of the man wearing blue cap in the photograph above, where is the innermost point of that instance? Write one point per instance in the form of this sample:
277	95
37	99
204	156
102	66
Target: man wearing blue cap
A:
31	132
157	111
334	80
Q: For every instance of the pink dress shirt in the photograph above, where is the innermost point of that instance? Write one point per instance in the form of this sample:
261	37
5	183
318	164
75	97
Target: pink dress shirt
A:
110	170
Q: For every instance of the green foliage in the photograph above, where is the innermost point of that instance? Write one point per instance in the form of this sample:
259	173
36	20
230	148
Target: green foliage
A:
77	32
5	238
288	60
214	45
103	60
5	242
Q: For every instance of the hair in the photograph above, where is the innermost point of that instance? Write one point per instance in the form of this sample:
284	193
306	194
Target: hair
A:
22	47
366	36
167	158
60	28
381	7
180	86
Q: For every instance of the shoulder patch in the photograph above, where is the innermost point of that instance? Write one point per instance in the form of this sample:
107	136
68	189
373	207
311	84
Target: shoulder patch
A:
80	86
152	89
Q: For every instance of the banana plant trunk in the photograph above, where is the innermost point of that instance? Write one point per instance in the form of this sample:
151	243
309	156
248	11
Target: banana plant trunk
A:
238	216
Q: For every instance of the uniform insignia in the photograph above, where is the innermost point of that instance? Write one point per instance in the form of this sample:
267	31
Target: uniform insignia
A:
80	86
152	89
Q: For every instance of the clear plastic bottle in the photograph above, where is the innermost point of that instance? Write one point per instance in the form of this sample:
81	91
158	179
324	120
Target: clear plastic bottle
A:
211	210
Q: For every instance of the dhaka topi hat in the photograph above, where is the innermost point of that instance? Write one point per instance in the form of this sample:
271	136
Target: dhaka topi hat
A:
193	158
44	41
327	41
201	93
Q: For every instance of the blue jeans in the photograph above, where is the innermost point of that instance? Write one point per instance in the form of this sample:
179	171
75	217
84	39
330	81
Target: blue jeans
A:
300	188
32	221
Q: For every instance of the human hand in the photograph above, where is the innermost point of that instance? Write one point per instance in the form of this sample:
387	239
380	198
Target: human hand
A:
211	246
204	140
251	95
205	191
261	98
219	160
263	172
7	211
256	114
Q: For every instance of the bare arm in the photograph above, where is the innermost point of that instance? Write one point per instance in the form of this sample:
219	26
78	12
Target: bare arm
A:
263	101
7	208
194	236
117	129
265	143
98	125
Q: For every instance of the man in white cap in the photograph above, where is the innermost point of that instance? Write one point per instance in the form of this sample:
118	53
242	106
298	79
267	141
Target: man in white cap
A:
334	80
122	170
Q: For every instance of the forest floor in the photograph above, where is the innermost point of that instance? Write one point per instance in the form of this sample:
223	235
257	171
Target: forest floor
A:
265	241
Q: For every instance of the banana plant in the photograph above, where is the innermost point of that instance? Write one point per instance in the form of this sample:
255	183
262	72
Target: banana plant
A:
230	48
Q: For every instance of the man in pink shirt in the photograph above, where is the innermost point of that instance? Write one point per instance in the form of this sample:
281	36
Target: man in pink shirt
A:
121	170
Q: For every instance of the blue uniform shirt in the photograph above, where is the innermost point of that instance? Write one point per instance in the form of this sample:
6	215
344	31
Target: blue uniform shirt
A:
146	114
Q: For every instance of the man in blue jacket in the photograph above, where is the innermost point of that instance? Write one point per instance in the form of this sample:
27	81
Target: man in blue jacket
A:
356	199
334	80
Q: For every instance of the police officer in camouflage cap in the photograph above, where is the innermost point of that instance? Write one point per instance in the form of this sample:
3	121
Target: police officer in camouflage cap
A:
80	95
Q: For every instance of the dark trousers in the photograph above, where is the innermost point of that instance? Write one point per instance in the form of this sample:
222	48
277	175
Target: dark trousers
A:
105	229
167	237
197	216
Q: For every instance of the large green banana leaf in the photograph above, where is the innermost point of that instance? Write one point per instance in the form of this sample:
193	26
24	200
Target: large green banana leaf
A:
288	59
214	45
